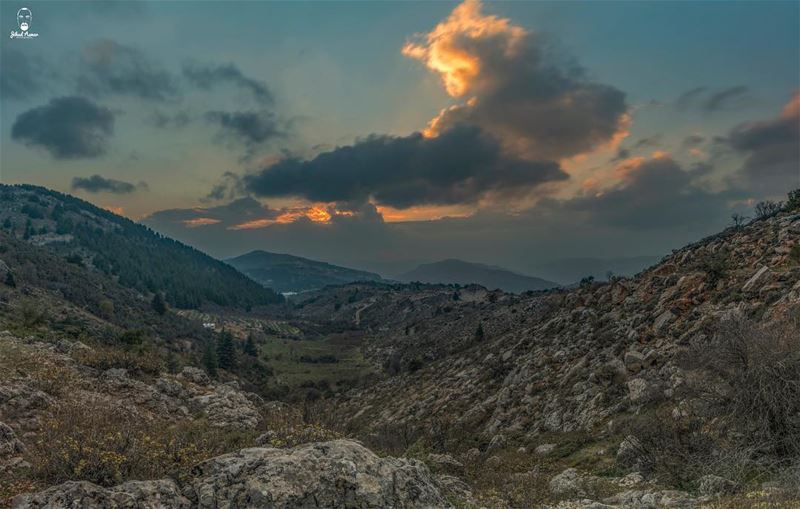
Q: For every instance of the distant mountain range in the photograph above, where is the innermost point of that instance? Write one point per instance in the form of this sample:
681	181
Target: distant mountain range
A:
460	272
286	273
571	270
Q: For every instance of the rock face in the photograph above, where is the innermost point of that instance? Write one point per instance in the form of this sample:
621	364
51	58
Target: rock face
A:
340	474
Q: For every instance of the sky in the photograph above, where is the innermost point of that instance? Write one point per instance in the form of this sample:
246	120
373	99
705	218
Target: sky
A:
383	134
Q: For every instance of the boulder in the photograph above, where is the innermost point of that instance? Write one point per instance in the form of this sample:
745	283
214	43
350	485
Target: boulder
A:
341	474
572	483
85	495
714	485
195	375
544	449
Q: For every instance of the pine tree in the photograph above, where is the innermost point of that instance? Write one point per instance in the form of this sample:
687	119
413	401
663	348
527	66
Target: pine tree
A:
479	334
159	306
250	347
10	281
226	354
210	359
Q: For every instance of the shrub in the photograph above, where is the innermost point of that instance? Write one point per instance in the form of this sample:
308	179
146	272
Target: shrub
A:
105	444
766	209
715	265
141	360
750	378
793	203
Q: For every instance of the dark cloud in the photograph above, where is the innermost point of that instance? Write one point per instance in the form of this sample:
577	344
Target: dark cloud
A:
208	76
648	142
111	68
516	88
228	186
690	98
705	99
771	149
250	127
654	193
728	98
99	184
693	141
67	127
460	165
236	212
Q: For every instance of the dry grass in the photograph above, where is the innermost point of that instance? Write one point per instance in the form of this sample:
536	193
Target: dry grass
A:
106	444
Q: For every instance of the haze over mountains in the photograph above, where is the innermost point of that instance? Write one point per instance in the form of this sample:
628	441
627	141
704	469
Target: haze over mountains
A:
454	271
286	273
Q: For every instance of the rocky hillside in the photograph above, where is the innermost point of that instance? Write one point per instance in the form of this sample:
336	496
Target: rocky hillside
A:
484	372
286	273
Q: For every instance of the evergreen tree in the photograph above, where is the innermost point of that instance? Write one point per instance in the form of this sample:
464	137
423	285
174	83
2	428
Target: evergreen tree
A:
10	281
226	353
159	306
479	334
210	359
250	347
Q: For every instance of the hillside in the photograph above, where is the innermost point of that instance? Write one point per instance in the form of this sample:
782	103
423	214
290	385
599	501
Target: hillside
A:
465	273
666	375
677	388
134	255
286	273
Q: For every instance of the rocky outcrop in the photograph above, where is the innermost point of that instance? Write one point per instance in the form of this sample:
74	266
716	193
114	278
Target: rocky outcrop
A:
340	474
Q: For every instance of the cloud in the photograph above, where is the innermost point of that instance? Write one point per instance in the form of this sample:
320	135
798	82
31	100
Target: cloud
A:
653	193
513	87
771	149
99	184
67	127
208	76
693	141
250	127
461	165
235	212
111	68
228	186
705	99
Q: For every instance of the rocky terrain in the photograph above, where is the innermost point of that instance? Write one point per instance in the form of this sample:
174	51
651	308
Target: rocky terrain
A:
676	388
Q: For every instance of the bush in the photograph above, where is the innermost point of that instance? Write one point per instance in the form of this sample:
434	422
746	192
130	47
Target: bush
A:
793	203
106	445
140	360
766	209
750	378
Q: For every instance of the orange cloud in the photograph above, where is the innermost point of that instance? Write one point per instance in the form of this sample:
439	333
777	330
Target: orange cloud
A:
116	210
539	107
443	53
393	215
200	221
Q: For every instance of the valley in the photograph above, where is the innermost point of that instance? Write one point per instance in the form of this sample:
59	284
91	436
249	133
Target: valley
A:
589	397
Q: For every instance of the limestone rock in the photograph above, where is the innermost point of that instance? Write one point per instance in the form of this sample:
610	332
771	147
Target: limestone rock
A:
85	495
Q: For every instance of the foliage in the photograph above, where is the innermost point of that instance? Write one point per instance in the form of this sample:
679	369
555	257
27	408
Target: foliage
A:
250	347
158	304
106	445
210	359
226	352
479	333
793	203
142	360
715	265
766	209
143	259
10	281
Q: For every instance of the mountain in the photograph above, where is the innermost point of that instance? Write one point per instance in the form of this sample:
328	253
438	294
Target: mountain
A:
465	273
286	273
132	254
570	270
